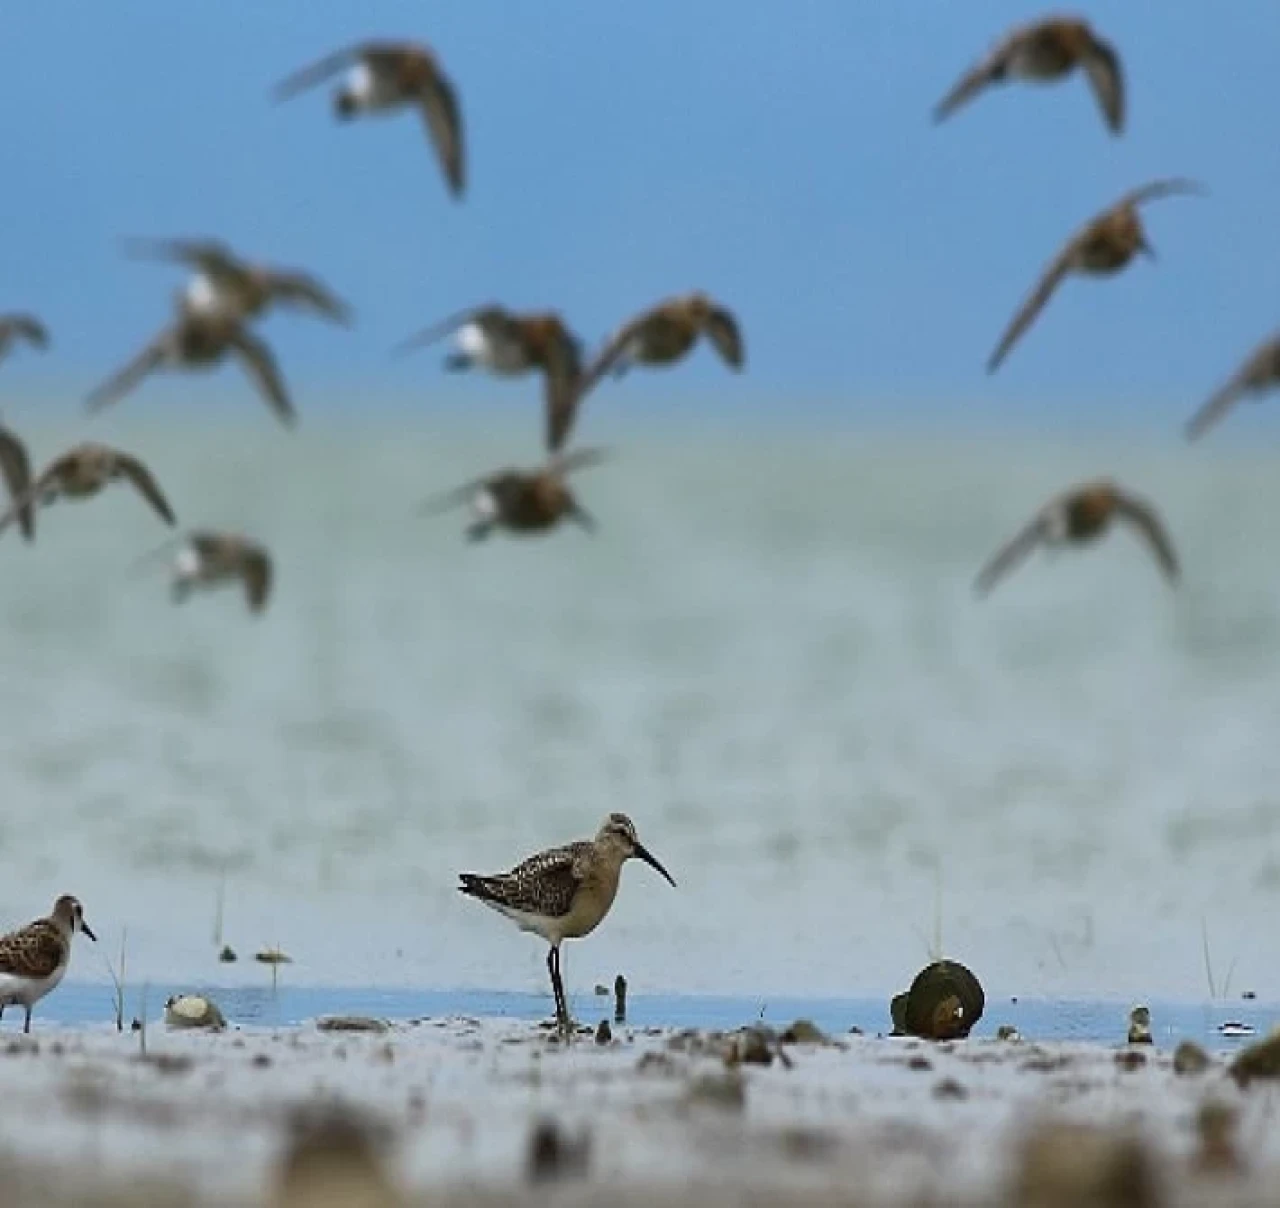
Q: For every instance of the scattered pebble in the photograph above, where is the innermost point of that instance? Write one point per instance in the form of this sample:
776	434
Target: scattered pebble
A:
949	1088
726	1090
604	1033
1006	1031
193	1011
351	1023
1261	1060
1190	1058
804	1031
554	1156
228	955
1131	1059
1065	1165
602	991
272	956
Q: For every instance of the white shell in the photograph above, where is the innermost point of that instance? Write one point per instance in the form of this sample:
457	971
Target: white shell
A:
192	1011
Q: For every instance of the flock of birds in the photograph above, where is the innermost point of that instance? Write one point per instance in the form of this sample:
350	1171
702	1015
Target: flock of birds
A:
564	892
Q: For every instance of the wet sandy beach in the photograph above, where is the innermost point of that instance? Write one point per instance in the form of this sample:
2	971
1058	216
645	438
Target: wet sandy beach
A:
449	1111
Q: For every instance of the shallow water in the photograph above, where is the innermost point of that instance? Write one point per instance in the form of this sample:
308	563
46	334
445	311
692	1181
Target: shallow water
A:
769	656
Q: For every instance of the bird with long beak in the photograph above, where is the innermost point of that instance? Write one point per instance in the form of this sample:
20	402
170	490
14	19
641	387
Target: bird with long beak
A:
1105	245
386	77
522	501
1079	516
34	959
226	283
1045	52
508	344
564	893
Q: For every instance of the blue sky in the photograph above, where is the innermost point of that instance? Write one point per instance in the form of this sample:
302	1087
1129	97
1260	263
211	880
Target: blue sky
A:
780	155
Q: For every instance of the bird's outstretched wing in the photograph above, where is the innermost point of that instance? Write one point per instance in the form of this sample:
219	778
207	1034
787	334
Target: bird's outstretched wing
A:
725	334
120	383
145	484
1010	554
1106	78
457	496
489	312
1261	370
260	363
296	288
15	465
1155	189
26	327
1035	302
577	459
321	69
443	117
257	571
561	401
984	72
609	354
211	255
1145	518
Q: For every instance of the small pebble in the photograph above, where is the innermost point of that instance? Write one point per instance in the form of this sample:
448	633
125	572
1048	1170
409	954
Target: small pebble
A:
228	955
272	956
604	1033
1190	1058
1131	1059
949	1088
602	991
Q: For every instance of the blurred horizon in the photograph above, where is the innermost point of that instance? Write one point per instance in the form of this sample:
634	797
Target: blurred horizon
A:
615	157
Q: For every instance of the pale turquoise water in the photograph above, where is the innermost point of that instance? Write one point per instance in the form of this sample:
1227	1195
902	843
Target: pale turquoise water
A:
769	657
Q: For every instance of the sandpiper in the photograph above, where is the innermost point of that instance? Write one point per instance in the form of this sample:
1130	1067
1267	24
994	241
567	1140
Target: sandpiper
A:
388	76
34	958
21	327
508	344
563	893
226	283
522	501
1102	247
199	340
1044	52
1259	374
208	559
15	465
662	335
1078	516
81	473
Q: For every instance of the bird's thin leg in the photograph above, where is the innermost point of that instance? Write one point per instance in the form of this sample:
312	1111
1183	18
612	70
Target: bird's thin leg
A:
2	1007
480	530
26	1024
456	362
562	1005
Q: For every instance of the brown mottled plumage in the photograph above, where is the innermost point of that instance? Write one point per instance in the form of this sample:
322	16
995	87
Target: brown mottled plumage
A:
212	559
242	288
34	958
200	340
522	501
1259	374
1102	247
24	328
1044	52
83	472
661	335
1078	516
501	341
564	892
15	466
387	76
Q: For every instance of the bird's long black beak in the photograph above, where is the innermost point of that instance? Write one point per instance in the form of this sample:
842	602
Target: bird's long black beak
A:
650	859
88	931
583	518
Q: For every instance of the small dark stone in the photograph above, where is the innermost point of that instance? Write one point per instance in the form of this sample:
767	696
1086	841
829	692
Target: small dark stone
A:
804	1031
1131	1059
1190	1058
1249	995
554	1156
919	1062
604	1033
228	955
1261	1060
949	1088
261	1061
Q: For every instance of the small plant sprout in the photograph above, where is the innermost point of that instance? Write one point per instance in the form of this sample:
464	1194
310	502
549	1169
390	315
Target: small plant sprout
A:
117	974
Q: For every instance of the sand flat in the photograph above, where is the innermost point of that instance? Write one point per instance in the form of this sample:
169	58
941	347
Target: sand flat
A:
455	1100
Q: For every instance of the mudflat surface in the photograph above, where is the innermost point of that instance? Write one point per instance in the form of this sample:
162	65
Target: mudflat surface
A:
447	1111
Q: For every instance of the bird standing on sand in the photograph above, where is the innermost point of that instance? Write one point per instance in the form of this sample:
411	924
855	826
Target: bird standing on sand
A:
15	466
225	283
1079	516
81	473
34	958
1045	52
23	328
199	340
563	893
522	501
1259	374
1102	247
385	77
502	342
659	336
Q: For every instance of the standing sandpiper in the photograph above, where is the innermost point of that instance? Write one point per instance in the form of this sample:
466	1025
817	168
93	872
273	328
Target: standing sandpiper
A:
564	892
34	958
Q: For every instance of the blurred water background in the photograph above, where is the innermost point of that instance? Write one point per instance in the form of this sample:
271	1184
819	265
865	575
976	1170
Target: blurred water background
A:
769	656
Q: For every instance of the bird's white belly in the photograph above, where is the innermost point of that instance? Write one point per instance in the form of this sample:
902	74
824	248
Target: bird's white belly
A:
495	355
484	506
536	924
203	295
371	91
25	990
